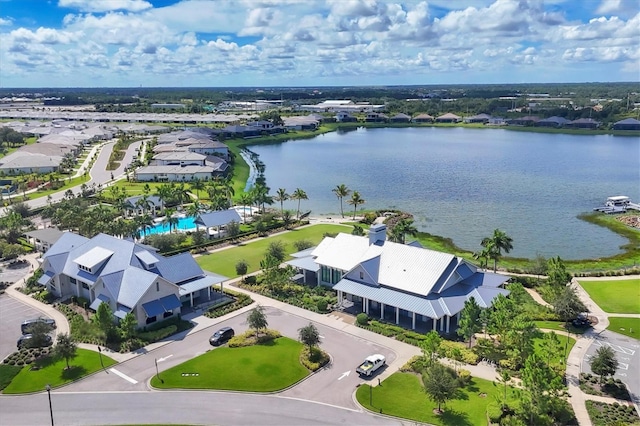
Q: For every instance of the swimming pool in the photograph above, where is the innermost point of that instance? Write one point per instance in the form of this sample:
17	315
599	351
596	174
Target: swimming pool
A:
184	224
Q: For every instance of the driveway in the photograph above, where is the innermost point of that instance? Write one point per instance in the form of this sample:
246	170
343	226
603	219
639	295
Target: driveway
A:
333	385
627	352
12	313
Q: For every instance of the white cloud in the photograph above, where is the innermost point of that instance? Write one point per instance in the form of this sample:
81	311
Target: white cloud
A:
5	21
106	5
609	6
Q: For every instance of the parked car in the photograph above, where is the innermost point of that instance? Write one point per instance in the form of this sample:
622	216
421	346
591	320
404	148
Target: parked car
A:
221	336
26	341
27	324
371	364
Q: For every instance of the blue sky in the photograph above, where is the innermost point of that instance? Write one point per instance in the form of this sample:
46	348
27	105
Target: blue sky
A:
130	43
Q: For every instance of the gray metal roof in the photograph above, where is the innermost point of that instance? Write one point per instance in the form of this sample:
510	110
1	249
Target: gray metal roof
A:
178	268
200	283
93	257
48	235
306	263
218	218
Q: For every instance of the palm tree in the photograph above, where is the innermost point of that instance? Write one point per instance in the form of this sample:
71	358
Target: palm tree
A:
341	191
145	223
197	185
483	257
143	203
229	192
495	244
281	197
164	193
402	228
170	220
355	201
299	195
194	209
181	194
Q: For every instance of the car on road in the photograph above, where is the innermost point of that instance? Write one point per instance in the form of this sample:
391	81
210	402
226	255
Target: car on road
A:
26	341
27	324
221	336
371	364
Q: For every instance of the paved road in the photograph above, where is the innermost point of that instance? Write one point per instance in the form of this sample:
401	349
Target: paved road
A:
334	385
627	352
196	408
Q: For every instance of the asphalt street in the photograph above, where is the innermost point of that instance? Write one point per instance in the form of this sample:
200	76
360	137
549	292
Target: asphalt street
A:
202	408
627	352
12	313
334	385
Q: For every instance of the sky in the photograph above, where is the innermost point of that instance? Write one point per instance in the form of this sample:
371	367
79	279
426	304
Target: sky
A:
288	43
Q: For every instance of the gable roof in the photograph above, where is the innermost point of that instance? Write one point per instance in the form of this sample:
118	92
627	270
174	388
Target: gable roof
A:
218	218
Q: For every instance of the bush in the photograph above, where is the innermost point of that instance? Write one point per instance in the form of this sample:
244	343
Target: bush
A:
362	318
241	300
314	361
155	335
248	338
464	377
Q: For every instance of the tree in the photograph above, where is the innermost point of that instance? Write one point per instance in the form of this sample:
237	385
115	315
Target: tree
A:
355	201
402	228
241	267
128	326
567	305
281	197
309	336
104	318
65	348
483	257
197	185
496	244
39	330
299	195
341	191
557	275
604	362
504	379
276	249
439	383
357	230
257	319
430	346
543	385
469	320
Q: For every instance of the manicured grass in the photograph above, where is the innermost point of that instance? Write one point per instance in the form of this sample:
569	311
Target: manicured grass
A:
558	358
561	326
402	395
258	368
7	373
615	296
224	261
53	372
627	326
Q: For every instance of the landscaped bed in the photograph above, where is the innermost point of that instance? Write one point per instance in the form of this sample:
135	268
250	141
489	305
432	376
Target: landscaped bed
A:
265	367
615	296
592	384
52	371
603	414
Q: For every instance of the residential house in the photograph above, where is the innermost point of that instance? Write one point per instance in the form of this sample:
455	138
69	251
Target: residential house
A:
448	118
423	118
584	123
345	117
480	118
627	124
129	277
400	118
376	117
554	121
411	286
529	120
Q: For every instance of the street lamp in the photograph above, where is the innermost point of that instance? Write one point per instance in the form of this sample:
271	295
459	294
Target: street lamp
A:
48	388
100	353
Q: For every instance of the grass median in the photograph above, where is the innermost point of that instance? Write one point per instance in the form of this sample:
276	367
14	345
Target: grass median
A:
52	372
266	367
224	261
615	296
627	326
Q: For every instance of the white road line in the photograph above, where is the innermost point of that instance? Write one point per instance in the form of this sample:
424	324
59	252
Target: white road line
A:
124	376
623	366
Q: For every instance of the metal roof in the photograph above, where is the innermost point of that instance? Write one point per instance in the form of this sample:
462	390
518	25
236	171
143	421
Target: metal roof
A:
178	268
93	257
218	218
306	263
48	235
200	283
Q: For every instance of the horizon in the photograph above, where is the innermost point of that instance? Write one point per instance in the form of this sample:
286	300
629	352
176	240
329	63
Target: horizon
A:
315	43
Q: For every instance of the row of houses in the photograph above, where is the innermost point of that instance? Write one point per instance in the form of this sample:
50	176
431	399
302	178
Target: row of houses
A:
186	156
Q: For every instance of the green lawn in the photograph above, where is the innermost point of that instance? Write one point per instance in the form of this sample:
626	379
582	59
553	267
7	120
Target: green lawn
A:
53	372
7	373
224	262
258	368
402	395
566	344
627	326
615	296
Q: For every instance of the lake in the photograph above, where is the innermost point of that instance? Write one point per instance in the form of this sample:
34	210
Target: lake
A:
463	183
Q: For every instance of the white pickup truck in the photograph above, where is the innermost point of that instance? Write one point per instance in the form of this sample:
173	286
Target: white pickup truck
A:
371	364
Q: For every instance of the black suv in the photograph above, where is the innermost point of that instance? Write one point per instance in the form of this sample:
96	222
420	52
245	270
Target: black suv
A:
27	324
26	341
221	336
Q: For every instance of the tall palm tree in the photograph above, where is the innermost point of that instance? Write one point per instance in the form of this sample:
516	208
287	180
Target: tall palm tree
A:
170	220
145	223
245	201
197	185
482	256
194	209
341	191
281	197
355	201
164	193
299	195
181	194
403	228
229	192
495	244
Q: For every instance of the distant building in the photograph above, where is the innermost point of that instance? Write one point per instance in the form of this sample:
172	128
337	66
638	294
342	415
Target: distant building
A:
627	124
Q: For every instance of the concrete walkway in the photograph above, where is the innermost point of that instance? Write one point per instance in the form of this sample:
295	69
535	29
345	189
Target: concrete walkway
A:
536	296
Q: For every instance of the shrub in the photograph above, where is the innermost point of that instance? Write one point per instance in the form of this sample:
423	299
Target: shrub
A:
155	335
362	318
314	360
248	338
464	377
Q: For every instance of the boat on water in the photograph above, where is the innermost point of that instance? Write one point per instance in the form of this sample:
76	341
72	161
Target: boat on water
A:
615	204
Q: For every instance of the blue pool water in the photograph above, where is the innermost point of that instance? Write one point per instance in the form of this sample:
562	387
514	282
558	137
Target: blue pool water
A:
184	224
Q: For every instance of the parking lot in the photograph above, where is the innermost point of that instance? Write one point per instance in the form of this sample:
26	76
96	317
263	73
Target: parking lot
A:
12	313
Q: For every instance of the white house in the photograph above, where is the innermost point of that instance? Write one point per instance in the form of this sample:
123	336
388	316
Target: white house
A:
405	284
129	277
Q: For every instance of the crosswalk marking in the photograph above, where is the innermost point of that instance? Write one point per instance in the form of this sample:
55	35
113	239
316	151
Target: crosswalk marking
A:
124	376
